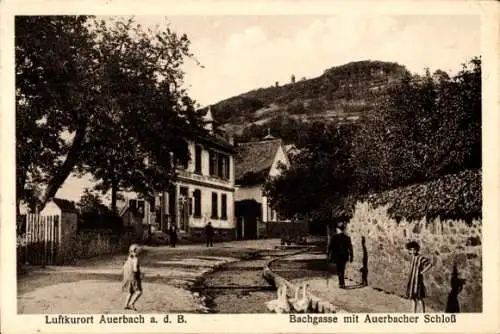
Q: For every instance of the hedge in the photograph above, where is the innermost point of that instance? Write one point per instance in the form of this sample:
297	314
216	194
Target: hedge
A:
454	196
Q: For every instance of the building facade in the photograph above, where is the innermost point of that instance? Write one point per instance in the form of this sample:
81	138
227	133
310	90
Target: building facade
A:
255	162
203	192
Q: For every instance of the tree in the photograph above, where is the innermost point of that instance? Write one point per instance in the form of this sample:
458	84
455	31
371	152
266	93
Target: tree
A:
113	89
148	112
54	95
322	171
428	127
91	203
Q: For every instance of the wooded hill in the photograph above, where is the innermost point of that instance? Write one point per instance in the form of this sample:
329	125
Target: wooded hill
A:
340	93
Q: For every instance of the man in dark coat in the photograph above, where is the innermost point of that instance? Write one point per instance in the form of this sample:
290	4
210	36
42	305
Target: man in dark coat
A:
209	234
341	252
172	232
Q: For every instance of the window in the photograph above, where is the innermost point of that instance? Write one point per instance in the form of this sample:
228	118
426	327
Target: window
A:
140	208
226	168
183	191
213	163
180	163
223	213
197	203
215	205
152	204
220	165
197	159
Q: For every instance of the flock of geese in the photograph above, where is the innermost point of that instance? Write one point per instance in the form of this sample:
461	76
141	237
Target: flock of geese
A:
297	304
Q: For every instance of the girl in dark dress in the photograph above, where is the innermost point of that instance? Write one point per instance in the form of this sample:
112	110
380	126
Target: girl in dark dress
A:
415	289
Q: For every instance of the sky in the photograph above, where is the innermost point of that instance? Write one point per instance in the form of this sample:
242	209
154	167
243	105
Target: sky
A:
242	53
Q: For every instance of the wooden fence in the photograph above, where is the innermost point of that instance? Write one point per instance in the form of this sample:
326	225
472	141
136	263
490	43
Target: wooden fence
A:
42	239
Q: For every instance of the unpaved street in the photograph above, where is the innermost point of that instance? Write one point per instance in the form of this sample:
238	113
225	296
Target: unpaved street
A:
172	281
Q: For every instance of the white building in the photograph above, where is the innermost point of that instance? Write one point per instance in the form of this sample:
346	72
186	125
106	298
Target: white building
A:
254	163
203	191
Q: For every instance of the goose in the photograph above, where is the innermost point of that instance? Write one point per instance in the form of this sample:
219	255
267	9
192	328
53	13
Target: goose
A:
302	305
279	305
273	304
296	298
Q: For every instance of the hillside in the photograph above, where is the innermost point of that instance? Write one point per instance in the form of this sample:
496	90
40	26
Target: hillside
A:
342	92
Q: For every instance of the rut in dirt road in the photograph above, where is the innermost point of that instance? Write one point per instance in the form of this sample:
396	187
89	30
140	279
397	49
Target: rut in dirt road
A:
239	287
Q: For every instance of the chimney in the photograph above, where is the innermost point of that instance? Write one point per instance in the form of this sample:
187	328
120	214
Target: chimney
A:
209	121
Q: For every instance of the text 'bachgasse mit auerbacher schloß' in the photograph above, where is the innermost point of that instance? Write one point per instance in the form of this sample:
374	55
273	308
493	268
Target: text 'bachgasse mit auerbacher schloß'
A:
372	319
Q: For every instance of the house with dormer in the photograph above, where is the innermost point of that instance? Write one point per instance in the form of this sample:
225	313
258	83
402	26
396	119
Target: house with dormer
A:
203	191
255	162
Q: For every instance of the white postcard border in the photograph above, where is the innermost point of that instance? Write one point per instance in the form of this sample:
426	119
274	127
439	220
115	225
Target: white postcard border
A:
489	11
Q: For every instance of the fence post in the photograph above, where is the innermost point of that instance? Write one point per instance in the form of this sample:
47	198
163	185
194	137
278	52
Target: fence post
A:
39	239
45	223
55	238
34	239
59	236
51	234
26	238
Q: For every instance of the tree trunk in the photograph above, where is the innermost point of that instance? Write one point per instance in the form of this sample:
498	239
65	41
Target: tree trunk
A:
114	191
58	178
328	237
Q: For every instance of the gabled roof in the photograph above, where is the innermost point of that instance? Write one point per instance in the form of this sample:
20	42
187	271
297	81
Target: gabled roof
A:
253	161
65	205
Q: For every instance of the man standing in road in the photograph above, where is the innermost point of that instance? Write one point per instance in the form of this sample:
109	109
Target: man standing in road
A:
209	234
341	252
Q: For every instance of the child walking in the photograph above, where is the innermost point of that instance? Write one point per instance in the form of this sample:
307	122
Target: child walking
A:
132	277
415	289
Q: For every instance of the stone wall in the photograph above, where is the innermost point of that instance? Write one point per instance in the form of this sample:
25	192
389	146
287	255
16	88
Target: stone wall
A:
67	230
449	244
89	243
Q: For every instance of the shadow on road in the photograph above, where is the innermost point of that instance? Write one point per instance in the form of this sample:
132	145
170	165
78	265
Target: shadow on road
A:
304	268
355	286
